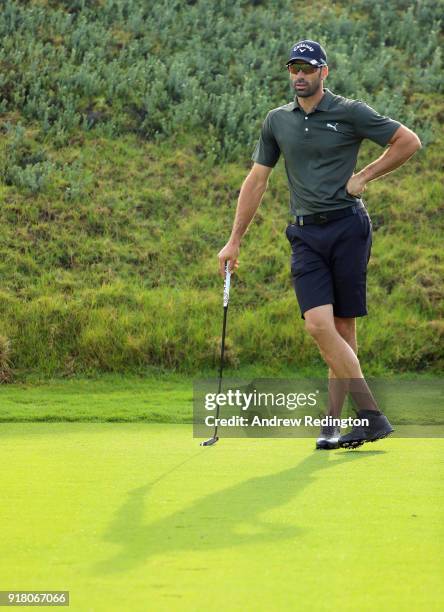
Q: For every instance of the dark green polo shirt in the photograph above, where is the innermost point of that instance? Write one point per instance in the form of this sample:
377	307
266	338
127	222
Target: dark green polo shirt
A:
320	149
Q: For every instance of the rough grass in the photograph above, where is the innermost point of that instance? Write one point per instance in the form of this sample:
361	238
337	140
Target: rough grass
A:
409	401
115	200
124	276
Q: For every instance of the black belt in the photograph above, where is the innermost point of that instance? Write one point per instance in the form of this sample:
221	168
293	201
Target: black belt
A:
329	215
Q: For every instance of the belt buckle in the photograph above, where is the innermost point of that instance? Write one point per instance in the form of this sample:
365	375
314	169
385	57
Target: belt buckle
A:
320	218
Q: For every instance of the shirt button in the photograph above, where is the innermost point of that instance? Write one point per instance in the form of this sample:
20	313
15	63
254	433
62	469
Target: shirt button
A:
306	118
306	129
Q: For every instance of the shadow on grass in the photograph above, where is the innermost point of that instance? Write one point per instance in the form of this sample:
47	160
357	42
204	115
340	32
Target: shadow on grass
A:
227	518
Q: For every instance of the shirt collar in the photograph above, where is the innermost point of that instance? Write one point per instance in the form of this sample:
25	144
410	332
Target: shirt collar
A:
324	103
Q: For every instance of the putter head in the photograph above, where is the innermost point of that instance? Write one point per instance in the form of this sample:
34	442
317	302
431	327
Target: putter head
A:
210	442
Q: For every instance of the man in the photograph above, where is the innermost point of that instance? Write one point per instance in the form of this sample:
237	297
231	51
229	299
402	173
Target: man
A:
319	135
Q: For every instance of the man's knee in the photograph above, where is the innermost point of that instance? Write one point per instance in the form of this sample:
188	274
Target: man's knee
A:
318	323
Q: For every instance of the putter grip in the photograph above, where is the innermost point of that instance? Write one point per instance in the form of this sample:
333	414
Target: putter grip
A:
227	284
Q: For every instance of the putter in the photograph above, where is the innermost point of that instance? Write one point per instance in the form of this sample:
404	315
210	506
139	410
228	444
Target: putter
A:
215	438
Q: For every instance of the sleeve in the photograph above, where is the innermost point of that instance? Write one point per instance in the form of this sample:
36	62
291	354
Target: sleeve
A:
267	150
372	125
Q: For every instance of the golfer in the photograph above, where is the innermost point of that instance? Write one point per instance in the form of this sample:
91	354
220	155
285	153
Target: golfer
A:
319	135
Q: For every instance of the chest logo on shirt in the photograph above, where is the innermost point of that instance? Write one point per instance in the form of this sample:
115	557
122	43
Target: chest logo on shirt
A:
333	126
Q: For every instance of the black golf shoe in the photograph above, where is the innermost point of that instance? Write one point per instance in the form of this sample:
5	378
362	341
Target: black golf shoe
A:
328	438
378	427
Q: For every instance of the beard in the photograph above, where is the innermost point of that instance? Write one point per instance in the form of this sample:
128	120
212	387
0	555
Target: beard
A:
309	90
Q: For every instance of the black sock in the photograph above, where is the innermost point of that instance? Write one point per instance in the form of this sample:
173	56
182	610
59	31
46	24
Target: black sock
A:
365	413
361	395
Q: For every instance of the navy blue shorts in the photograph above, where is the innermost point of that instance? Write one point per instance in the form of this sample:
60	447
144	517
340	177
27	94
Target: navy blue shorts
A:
329	264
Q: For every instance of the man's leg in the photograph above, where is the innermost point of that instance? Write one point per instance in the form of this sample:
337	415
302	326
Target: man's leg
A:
339	355
337	390
344	363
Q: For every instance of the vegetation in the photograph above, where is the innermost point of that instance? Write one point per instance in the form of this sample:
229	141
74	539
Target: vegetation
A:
127	129
169	399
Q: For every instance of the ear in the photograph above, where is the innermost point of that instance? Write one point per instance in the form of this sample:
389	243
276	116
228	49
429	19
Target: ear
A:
324	72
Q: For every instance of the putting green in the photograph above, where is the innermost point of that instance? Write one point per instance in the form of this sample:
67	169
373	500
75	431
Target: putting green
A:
139	517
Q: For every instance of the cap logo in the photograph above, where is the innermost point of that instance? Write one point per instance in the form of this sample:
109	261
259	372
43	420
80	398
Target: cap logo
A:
303	47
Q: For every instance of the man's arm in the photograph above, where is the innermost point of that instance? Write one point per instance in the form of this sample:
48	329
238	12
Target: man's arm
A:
402	145
250	196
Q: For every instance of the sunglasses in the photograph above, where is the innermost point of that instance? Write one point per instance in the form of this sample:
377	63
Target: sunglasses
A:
306	68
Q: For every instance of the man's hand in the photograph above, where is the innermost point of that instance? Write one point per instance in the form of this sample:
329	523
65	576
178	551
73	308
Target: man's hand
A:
356	185
402	145
229	253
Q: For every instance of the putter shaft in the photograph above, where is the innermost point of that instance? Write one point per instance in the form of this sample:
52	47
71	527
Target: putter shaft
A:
215	437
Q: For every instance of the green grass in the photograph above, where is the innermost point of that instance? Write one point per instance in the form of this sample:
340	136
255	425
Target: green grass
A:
121	159
107	399
130	516
121	281
414	404
126	135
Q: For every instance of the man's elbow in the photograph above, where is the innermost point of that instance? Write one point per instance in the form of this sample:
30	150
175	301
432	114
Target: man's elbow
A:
411	141
415	142
406	140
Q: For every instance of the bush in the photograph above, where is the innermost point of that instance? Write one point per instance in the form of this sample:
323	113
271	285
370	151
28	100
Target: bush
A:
161	68
5	360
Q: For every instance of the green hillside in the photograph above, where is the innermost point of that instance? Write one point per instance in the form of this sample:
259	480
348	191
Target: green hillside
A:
127	130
